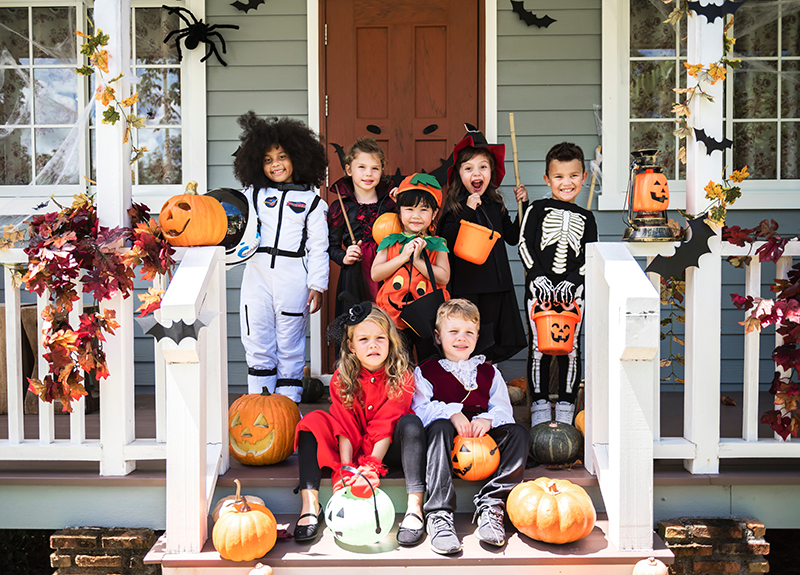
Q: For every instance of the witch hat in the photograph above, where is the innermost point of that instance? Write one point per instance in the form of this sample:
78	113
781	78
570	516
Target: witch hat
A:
476	139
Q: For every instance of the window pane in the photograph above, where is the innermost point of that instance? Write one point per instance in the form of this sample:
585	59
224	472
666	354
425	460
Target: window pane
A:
650	36
790	35
56	99
14	37
15	157
152	26
159	95
790	89
755	91
162	163
755	146
754	38
656	135
54	36
47	142
790	151
15	105
652	94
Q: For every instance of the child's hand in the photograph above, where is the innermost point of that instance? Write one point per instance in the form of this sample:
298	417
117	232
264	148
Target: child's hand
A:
473	201
411	248
521	193
543	289
565	292
462	424
353	254
314	300
419	249
393	193
480	427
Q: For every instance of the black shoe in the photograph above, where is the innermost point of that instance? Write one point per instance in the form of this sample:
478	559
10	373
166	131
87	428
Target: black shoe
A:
407	536
308	532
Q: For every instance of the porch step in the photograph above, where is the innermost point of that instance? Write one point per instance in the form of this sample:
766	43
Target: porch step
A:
593	554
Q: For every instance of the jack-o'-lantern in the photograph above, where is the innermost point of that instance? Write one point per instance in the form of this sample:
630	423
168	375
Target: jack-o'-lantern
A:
650	191
261	428
475	458
193	220
555	330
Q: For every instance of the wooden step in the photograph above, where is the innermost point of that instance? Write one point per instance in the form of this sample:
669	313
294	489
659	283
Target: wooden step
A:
593	554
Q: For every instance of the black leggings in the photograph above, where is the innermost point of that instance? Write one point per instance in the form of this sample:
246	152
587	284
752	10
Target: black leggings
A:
407	450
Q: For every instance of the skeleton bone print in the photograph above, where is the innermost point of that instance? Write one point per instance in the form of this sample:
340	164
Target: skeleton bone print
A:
565	229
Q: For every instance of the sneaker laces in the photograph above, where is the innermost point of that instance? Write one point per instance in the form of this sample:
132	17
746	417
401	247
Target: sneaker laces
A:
442	517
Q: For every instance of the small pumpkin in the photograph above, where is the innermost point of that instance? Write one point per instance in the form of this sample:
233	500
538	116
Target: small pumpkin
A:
386	224
245	532
191	219
475	458
261	569
516	395
580	421
551	510
226	503
519	382
650	566
313	389
261	428
555	442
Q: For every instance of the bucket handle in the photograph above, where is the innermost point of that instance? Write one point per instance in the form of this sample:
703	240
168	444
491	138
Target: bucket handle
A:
570	307
354	471
488	221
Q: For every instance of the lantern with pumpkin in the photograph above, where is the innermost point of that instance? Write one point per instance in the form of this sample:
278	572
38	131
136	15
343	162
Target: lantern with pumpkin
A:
261	428
193	220
475	458
648	198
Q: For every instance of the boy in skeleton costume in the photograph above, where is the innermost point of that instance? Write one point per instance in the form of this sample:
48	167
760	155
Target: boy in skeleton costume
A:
552	248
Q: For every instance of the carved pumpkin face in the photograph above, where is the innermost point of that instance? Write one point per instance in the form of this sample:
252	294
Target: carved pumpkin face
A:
193	220
560	331
475	458
261	428
650	192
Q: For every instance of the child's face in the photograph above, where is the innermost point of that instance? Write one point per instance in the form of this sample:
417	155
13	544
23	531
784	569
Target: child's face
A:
366	171
476	174
277	165
458	337
370	343
565	179
417	219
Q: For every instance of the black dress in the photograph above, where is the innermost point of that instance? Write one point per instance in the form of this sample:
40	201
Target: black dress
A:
489	285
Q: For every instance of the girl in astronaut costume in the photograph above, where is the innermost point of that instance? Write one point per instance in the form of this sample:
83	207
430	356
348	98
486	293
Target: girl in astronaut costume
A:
281	161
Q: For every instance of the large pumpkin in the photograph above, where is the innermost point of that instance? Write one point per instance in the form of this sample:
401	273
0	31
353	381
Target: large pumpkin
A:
386	224
193	220
555	442
475	458
261	428
551	510
245	532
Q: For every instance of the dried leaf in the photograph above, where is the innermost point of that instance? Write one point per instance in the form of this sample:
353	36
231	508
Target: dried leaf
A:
727	400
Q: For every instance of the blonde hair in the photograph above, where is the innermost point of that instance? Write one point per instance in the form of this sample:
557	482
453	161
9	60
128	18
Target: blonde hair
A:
397	365
366	145
460	308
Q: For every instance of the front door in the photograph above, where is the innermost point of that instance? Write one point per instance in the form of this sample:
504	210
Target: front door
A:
407	72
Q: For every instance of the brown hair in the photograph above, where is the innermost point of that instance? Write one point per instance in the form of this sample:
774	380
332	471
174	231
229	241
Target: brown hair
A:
366	145
564	152
457	192
459	308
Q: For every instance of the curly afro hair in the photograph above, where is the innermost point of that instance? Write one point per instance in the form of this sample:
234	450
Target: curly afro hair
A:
298	140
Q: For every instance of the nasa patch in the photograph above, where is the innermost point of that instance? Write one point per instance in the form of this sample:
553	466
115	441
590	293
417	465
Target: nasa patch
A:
271	202
297	207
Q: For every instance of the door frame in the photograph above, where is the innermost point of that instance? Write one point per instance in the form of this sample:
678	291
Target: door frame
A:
315	31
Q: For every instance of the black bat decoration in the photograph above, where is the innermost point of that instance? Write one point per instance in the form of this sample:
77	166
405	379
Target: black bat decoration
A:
711	143
687	254
340	153
528	17
42	205
247	6
713	11
179	330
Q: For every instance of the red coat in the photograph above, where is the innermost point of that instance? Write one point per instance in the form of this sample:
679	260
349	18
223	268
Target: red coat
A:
367	422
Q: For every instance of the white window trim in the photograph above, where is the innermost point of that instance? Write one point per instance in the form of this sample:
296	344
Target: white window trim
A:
756	194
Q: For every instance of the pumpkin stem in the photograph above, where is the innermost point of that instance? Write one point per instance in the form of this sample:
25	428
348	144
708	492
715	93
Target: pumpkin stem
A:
265	391
241	502
553	488
238	490
191	188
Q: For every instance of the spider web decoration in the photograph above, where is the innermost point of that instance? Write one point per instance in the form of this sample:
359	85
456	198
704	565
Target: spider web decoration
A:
196	32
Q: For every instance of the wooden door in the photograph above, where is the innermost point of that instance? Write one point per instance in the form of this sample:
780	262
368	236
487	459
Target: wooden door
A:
407	72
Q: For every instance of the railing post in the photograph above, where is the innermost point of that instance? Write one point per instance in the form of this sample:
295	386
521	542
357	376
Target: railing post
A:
16	429
218	362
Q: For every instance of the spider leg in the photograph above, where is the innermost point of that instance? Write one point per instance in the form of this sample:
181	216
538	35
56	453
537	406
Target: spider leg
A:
180	32
178	47
215	26
177	10
213	48
221	39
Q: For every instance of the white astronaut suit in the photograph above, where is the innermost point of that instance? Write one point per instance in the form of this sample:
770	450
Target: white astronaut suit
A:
292	259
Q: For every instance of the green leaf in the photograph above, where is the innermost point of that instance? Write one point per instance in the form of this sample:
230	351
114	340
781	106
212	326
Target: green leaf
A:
679	359
84	70
706	96
136	121
137	154
732	194
666	321
110	116
115	78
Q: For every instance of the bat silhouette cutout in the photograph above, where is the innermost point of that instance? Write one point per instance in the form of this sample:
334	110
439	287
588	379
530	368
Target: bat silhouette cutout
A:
687	254
528	17
247	6
710	143
712	11
340	153
179	330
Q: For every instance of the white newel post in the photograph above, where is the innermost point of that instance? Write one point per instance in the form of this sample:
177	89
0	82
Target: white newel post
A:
113	201
703	300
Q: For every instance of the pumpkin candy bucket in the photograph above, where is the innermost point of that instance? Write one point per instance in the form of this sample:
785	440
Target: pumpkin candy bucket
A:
474	242
555	331
358	520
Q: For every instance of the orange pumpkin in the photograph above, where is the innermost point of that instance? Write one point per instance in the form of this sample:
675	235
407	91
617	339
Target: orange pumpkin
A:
261	428
580	421
245	532
386	224
227	503
519	382
551	510
193	220
650	191
475	458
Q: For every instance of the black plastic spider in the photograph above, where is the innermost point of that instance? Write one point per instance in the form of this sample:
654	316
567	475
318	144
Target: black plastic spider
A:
196	32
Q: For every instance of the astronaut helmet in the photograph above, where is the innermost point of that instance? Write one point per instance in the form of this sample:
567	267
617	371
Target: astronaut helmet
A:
242	238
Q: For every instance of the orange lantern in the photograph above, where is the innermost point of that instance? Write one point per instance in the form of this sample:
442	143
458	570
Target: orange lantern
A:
650	191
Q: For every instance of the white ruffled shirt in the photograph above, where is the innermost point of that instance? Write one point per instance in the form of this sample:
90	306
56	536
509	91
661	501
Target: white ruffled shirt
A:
428	409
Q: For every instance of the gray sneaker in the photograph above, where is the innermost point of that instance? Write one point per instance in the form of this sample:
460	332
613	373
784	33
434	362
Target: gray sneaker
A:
442	533
490	526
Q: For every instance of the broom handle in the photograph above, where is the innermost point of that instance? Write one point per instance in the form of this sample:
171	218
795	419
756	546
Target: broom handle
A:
516	159
591	186
346	219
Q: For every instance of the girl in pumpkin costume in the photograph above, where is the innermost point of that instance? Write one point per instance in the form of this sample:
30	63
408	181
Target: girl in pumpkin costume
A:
369	421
